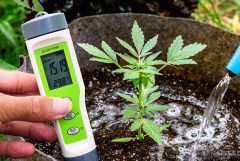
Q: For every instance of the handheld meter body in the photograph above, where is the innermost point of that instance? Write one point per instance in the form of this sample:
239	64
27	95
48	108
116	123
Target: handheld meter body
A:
55	65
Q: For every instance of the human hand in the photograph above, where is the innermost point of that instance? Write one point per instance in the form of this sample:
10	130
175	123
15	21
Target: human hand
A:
21	113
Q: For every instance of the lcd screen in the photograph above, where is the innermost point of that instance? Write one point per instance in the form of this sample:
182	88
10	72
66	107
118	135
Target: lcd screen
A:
56	69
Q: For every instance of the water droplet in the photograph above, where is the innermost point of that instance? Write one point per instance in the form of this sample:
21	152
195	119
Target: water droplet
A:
194	135
197	117
203	134
218	115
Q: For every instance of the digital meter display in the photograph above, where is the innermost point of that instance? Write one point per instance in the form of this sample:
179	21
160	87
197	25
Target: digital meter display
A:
56	69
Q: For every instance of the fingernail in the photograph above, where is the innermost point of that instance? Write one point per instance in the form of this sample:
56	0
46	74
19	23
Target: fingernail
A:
61	106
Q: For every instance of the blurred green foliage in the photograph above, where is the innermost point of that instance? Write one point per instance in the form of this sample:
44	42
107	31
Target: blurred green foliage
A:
2	159
221	13
11	39
36	5
2	137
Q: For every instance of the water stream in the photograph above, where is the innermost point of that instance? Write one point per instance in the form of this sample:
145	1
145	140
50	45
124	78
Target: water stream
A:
213	103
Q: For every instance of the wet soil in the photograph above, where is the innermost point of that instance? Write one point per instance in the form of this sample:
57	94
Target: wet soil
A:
186	99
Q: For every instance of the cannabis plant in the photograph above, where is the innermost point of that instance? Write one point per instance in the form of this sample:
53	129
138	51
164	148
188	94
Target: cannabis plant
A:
141	69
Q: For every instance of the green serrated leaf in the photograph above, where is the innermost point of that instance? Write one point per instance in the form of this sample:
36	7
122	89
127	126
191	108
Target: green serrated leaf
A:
109	51
6	66
129	112
145	97
92	50
123	140
183	61
146	80
146	54
150	114
126	97
137	37
157	62
138	115
23	3
152	57
143	58
136	82
128	58
153	97
136	100
149	45
190	50
175	48
151	67
150	86
157	108
152	130
152	79
131	75
136	125
164	127
149	71
37	6
151	124
132	67
150	89
128	47
122	70
101	60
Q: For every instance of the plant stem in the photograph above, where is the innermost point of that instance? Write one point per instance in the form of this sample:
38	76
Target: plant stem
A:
162	67
119	66
140	103
140	90
140	138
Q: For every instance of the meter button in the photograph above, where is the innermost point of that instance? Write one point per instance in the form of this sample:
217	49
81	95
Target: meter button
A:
73	130
69	116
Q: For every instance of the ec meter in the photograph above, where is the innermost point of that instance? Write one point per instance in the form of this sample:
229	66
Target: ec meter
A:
57	71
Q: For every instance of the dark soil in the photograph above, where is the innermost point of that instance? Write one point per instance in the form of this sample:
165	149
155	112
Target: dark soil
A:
123	151
183	96
79	8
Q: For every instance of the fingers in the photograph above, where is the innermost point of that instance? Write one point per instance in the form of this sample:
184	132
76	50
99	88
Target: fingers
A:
37	131
17	82
16	149
32	108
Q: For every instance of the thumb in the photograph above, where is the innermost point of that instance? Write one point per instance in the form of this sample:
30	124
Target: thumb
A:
32	108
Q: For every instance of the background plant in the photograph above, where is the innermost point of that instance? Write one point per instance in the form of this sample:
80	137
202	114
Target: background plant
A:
11	39
12	45
141	69
221	13
2	137
34	5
